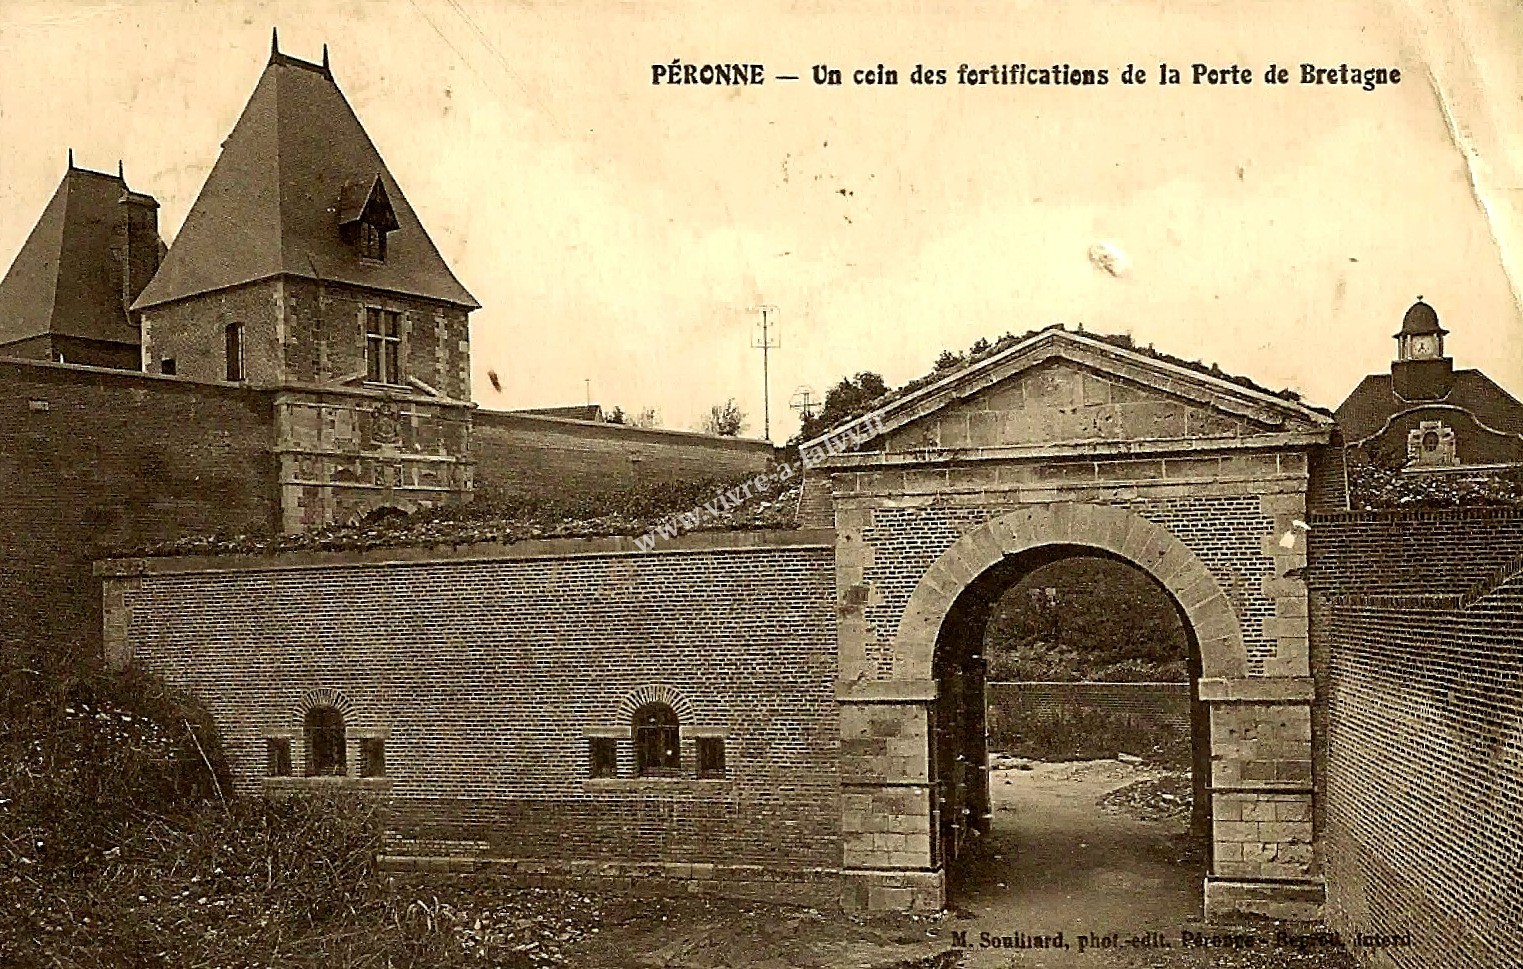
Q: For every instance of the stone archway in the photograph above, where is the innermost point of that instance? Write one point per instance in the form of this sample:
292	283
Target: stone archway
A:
1259	725
1069	440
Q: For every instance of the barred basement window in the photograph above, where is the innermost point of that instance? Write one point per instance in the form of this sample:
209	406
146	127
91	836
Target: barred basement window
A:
602	757
656	741
277	757
710	756
372	757
326	754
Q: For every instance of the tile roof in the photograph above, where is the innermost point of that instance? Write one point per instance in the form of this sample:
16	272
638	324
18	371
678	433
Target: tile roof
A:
1373	402
271	205
67	280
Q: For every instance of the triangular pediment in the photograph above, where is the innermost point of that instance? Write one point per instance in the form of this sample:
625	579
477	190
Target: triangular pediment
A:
1062	388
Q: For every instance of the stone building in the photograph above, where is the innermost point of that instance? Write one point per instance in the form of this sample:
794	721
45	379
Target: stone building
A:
302	267
299	357
1427	416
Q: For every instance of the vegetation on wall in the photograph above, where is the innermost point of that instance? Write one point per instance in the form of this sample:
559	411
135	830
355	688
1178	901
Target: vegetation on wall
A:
713	505
1377	481
854	397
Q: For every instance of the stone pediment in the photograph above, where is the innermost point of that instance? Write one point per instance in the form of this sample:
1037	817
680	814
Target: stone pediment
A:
1061	389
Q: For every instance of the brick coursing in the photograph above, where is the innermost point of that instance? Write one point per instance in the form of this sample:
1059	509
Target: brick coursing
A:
1438	551
527	454
1225	532
96	460
488	678
1017	703
1421	706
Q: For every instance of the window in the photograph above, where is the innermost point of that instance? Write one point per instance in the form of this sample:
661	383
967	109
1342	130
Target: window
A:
277	757
167	366
372	757
656	741
233	335
371	240
710	756
383	346
326	754
602	757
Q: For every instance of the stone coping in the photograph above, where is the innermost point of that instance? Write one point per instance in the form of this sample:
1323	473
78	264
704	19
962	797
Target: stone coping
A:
539	548
1258	689
1119	447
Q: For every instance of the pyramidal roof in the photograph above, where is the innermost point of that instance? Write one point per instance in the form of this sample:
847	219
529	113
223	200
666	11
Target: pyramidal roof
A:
66	279
272	204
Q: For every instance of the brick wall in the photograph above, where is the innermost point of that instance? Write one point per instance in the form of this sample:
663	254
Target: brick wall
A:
488	672
531	454
1421	697
1012	704
94	460
1437	551
1226	531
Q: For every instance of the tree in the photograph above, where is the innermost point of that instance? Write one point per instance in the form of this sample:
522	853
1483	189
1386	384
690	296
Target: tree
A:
948	361
846	399
646	418
725	420
1086	618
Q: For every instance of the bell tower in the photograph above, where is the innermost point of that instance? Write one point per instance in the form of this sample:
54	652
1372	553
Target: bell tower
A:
1421	338
1421	371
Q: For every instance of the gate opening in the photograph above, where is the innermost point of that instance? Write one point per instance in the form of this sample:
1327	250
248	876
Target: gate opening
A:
1050	616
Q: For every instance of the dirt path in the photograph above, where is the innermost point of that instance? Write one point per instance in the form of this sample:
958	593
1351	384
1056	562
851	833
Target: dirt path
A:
1057	863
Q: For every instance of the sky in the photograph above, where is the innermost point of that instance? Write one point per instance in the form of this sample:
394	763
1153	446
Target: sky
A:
622	236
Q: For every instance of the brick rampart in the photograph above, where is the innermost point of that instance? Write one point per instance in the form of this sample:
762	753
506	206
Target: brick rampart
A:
489	673
521	454
94	460
1422	698
1011	704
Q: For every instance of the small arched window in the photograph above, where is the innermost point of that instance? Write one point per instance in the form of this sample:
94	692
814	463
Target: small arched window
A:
656	740
326	754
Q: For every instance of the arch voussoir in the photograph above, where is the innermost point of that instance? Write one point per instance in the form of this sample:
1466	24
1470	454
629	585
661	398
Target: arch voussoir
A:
1124	533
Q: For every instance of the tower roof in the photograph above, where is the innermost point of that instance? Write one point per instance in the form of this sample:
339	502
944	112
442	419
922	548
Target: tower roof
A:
288	174
66	280
1420	319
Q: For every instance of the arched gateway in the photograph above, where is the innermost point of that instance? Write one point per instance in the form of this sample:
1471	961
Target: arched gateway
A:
1061	444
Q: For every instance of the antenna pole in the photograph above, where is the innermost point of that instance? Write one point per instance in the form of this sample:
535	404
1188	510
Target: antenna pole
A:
766	342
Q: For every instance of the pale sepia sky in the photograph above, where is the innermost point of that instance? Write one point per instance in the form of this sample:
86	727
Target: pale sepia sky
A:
624	233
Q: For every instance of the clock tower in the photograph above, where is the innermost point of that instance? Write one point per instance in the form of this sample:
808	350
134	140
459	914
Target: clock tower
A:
1421	371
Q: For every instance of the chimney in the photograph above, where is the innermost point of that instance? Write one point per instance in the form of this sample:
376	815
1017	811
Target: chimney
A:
140	219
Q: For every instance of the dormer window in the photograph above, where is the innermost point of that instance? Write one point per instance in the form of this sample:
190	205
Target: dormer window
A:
365	217
372	242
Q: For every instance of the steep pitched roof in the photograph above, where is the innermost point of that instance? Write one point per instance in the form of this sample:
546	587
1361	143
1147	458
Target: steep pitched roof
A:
67	278
1372	404
1210	387
271	205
